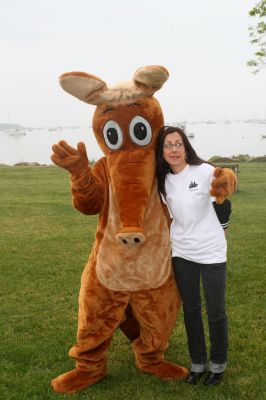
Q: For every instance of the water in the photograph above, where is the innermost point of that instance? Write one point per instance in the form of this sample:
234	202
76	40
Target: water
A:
228	139
223	139
36	144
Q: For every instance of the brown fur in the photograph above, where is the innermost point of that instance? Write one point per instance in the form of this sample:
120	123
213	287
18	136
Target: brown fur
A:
129	269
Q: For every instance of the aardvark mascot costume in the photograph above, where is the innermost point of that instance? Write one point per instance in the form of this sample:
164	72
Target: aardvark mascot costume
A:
129	268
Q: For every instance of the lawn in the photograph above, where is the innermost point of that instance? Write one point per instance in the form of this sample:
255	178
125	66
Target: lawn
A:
44	245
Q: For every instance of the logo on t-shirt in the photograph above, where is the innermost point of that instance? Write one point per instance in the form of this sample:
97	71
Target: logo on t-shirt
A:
193	185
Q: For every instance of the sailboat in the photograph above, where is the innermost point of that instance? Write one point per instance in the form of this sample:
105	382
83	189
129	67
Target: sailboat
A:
184	128
17	132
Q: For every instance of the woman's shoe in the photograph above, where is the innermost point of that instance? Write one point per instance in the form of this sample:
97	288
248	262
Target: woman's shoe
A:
213	378
194	377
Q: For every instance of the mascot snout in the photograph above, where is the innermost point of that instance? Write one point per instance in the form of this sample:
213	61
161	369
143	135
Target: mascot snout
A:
131	180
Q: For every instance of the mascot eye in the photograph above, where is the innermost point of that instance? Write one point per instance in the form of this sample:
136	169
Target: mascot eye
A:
113	135
140	131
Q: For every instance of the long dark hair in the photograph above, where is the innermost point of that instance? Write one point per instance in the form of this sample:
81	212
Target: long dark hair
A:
162	167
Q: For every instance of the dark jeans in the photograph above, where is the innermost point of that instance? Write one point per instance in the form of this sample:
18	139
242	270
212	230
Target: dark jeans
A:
187	275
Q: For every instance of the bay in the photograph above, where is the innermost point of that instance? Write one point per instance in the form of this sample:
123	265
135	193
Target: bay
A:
210	138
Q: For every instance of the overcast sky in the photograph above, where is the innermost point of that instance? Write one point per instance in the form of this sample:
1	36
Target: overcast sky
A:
204	45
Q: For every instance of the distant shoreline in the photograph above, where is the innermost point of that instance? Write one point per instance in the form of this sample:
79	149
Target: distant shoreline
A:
9	126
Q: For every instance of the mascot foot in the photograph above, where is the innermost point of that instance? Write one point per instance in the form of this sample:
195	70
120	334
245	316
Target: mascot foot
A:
166	370
73	381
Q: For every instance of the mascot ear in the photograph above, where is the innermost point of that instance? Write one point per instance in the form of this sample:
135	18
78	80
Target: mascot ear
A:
85	87
151	78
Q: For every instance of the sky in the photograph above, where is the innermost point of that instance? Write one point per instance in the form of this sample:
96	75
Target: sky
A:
204	45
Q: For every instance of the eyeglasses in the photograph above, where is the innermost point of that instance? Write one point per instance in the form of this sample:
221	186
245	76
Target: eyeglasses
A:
170	146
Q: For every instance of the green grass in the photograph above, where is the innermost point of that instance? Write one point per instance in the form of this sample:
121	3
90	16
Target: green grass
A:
44	245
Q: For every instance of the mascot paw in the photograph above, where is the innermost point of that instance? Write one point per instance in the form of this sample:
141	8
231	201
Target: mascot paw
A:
224	184
73	381
166	370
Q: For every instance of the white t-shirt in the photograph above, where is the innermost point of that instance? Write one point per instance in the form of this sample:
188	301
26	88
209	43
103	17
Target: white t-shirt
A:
196	233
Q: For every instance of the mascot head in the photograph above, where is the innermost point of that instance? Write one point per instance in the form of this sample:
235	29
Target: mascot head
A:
126	124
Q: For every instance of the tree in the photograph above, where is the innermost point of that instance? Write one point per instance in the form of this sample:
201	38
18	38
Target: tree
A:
257	35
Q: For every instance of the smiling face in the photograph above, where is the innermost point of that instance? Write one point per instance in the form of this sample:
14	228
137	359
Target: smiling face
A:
174	152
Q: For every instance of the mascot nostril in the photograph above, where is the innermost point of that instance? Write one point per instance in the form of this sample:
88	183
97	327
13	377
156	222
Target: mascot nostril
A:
128	280
131	238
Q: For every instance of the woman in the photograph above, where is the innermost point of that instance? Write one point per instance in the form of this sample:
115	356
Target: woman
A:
198	249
